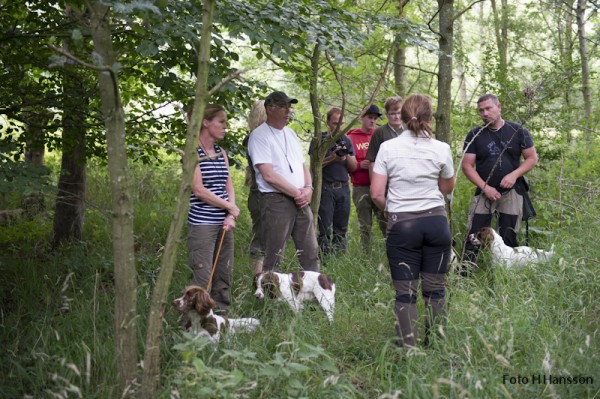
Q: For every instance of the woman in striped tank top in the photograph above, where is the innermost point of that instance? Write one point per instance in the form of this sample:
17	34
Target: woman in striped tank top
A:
212	211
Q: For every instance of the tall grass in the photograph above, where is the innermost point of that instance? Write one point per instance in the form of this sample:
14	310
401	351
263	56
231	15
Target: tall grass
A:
56	312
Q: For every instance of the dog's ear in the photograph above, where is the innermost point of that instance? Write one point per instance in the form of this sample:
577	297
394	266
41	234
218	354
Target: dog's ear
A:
188	297
200	303
203	303
486	236
270	278
480	238
211	302
270	285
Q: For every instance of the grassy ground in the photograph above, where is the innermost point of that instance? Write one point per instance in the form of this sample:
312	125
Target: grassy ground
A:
507	332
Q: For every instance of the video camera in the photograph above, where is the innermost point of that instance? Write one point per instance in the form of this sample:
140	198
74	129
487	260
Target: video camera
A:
342	151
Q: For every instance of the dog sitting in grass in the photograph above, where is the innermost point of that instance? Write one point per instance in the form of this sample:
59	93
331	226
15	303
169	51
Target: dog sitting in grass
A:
197	304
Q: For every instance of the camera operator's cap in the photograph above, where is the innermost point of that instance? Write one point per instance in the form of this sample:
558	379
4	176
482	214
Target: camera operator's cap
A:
372	110
279	98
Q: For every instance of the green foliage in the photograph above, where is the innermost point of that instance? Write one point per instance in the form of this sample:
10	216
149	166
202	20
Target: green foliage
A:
18	177
158	72
567	190
288	31
57	308
293	370
156	68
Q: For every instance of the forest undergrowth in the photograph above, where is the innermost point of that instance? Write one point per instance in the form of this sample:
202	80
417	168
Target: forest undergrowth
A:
508	332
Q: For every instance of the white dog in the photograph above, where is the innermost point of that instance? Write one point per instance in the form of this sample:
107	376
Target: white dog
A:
198	305
295	288
487	238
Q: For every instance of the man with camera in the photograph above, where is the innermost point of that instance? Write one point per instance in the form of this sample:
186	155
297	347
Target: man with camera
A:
334	210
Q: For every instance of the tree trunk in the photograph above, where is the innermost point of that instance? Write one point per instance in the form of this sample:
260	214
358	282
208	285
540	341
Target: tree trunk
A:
442	115
36	123
152	352
585	69
69	208
501	30
482	42
319	145
400	82
566	45
34	157
564	22
460	67
122	207
400	57
316	155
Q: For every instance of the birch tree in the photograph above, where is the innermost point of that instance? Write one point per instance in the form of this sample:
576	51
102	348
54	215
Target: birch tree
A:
125	317
501	33
446	43
159	295
400	56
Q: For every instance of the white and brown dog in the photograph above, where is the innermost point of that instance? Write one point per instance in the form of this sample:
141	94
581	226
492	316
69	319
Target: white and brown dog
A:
295	288
197	304
487	238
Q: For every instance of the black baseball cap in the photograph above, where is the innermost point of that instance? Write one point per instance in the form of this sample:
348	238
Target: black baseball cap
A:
372	110
279	98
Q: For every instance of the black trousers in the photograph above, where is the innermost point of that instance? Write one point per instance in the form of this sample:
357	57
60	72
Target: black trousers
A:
416	246
508	210
418	249
334	213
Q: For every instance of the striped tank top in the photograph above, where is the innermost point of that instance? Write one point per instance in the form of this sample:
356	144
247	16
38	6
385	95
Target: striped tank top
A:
214	178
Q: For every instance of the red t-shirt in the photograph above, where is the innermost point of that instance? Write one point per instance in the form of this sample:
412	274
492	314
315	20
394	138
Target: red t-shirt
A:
360	141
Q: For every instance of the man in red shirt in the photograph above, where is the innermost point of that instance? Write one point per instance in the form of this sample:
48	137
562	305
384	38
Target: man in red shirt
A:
361	196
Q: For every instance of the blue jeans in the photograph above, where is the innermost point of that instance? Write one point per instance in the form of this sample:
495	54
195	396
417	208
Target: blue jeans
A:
334	212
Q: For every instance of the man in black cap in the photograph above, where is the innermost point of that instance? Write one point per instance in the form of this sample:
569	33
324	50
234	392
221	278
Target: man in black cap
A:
285	185
361	196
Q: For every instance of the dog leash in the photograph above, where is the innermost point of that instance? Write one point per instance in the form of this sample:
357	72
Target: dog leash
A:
212	272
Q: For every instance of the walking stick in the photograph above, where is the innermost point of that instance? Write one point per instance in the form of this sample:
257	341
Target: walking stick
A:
212	272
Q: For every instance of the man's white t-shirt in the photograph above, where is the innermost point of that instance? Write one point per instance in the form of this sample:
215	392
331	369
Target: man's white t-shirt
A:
282	150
